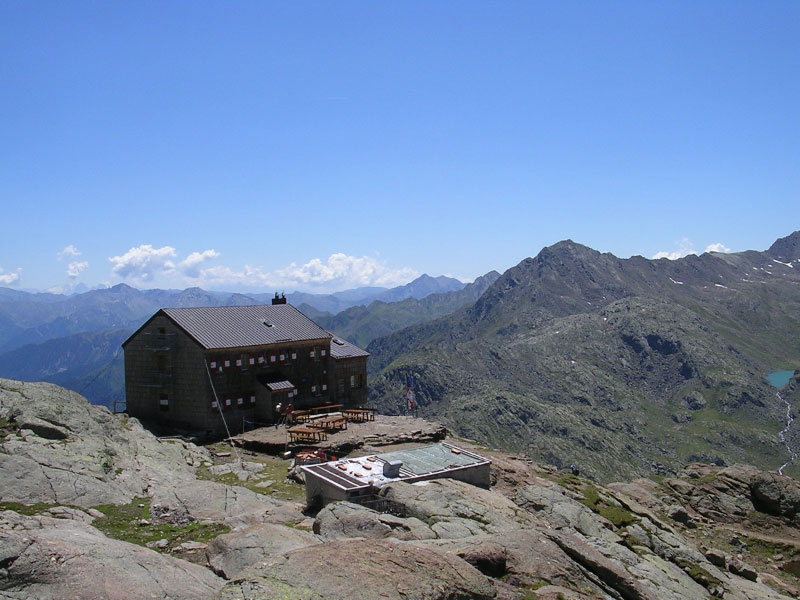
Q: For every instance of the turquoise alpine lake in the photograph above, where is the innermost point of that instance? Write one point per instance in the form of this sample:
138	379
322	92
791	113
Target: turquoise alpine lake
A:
780	378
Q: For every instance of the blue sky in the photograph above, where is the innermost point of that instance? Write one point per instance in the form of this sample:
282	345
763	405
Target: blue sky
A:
325	145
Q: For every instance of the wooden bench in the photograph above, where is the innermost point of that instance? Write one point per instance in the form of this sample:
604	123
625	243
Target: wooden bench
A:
307	434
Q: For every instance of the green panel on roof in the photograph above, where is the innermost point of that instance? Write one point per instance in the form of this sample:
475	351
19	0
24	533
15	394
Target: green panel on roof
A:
431	459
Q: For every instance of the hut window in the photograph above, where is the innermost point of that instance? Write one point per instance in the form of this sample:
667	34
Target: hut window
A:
252	399
240	401
163	402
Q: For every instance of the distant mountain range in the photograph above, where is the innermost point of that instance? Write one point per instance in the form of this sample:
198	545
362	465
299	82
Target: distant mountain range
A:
421	287
74	340
625	367
362	324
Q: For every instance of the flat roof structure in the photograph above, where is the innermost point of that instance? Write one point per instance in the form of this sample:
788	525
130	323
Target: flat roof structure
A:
349	478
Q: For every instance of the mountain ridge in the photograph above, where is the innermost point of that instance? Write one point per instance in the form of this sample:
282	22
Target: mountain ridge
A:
563	344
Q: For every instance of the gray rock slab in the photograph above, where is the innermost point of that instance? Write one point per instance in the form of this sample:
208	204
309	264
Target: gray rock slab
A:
232	553
231	505
446	504
362	570
563	511
341	520
47	558
100	458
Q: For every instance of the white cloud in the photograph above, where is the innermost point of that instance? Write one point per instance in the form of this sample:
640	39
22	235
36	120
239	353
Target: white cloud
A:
685	248
190	265
718	247
339	271
75	268
144	262
342	270
9	278
70	251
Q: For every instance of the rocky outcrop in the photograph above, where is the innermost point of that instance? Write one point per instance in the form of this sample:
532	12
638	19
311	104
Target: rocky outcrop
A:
538	534
46	558
343	520
732	493
94	458
454	509
232	553
231	505
62	453
362	570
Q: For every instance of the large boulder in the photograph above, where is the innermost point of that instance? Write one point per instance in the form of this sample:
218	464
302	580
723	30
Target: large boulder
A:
343	520
48	558
527	558
454	509
59	449
231	505
362	570
562	511
775	494
732	493
231	553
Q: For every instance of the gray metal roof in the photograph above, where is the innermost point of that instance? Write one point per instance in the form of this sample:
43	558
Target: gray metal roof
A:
341	348
236	326
280	386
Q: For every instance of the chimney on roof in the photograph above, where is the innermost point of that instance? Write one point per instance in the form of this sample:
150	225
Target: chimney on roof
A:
279	299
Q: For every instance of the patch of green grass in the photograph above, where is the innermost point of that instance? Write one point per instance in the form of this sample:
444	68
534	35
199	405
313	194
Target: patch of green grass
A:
28	510
617	515
7	428
133	523
275	469
766	549
698	573
569	481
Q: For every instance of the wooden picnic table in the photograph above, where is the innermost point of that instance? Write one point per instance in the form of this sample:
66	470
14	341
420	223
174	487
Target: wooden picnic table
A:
306	434
359	415
329	408
329	423
301	416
